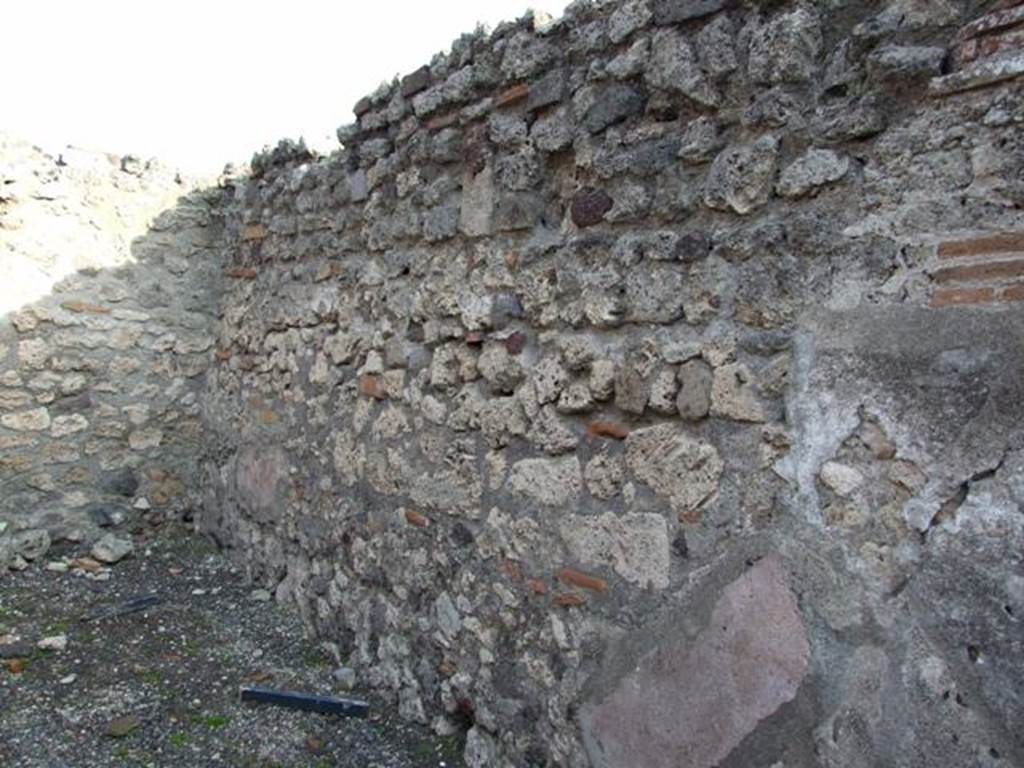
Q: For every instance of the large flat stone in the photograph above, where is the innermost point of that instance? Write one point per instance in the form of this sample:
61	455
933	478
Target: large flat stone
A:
690	702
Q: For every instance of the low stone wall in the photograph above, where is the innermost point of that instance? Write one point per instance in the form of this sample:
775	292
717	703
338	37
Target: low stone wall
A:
110	271
642	388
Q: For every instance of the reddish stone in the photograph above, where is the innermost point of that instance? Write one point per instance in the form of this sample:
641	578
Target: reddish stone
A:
691	700
512	95
515	343
537	586
569	599
589	206
511	569
992	22
82	306
223	355
443	121
608	429
475	338
415	518
372	386
990	45
580	579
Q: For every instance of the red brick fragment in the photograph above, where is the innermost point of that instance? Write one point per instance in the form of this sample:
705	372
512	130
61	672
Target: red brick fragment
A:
989	270
412	517
569	599
999	242
443	121
584	580
512	95
83	306
608	429
946	297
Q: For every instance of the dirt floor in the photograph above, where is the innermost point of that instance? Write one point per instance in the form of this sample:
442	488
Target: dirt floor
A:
160	686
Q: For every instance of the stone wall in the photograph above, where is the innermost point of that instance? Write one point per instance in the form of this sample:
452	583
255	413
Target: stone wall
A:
110	274
643	387
637	388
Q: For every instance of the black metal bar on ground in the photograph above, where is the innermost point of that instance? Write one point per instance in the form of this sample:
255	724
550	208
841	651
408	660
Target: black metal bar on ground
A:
331	705
128	606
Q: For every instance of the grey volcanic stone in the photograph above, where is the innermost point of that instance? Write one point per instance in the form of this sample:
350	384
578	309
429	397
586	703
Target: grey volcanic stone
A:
613	105
110	549
675	11
741	176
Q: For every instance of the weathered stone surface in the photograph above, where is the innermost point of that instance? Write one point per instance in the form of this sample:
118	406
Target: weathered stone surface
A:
741	176
733	394
673	66
815	168
693	701
635	546
675	465
694	399
35	420
786	49
589	206
552	482
112	549
612	105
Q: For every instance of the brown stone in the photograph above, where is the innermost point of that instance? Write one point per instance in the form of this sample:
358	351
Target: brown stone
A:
82	306
1001	242
1013	293
611	429
569	599
537	586
583	580
415	518
691	700
589	206
254	232
446	120
372	386
990	270
512	95
945	297
241	273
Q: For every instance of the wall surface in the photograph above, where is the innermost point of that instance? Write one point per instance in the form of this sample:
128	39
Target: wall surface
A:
638	388
108	288
644	388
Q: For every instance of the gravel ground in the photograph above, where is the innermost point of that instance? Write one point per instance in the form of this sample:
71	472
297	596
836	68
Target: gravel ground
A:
160	686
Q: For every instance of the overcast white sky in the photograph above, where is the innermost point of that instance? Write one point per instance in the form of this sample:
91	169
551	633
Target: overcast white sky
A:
202	82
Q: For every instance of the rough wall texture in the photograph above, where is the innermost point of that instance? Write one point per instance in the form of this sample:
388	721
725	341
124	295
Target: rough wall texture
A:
644	388
108	290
